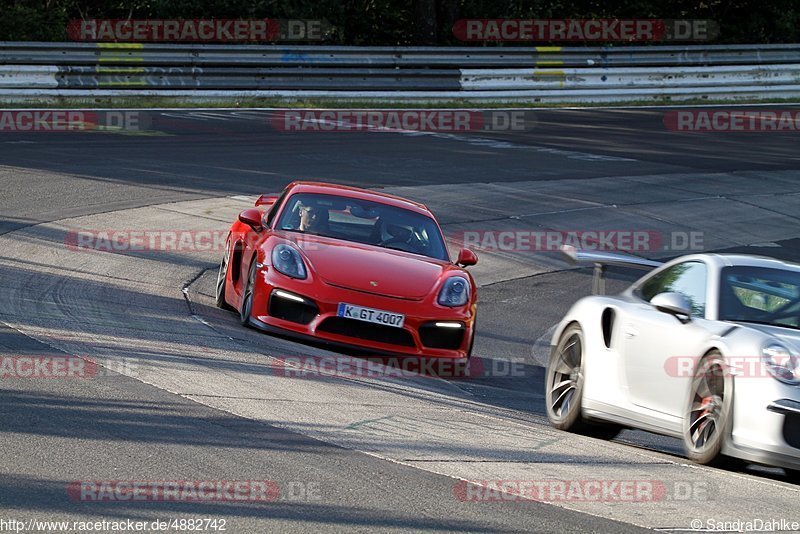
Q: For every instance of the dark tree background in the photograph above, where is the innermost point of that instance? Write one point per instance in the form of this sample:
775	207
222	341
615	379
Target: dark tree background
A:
409	22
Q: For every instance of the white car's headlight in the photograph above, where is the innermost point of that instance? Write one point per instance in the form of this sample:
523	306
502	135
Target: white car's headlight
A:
454	292
286	260
781	363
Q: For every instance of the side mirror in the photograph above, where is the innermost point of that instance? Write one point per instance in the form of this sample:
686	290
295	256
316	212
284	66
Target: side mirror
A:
466	258
251	218
266	200
673	303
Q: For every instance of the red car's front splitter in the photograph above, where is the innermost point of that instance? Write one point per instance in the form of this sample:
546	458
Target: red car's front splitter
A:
326	326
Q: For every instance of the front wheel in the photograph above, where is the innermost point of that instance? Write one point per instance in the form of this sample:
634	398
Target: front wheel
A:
247	297
564	381
708	412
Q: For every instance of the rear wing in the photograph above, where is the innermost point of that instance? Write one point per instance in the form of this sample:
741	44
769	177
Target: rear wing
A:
601	260
266	200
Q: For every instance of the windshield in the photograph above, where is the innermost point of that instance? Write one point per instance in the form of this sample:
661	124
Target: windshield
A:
760	295
371	223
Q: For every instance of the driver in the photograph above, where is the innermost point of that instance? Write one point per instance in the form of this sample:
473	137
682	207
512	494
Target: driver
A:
313	219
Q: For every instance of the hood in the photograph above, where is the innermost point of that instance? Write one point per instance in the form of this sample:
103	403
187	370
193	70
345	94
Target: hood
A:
788	336
370	269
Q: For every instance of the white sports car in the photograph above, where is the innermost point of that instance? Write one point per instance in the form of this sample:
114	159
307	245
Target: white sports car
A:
705	348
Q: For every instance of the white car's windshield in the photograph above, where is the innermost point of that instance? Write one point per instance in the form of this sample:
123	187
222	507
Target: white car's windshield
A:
362	221
760	295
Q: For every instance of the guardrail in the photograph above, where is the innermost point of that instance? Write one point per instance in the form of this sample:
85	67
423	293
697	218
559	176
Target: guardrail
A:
534	74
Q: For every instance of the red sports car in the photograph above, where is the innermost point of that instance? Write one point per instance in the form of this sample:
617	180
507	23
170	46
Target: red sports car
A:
350	267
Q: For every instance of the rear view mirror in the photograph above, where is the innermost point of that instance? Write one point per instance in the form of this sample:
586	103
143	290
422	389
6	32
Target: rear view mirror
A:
252	218
673	303
466	258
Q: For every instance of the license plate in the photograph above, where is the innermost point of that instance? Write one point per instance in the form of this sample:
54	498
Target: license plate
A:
370	315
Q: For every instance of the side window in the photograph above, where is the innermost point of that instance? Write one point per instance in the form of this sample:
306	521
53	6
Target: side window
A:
687	278
274	209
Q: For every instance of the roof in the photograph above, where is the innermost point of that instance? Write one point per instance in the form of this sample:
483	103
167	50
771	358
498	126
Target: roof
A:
757	261
742	260
358	193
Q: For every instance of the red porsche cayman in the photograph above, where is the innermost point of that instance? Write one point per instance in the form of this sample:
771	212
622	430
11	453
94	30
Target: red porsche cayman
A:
350	267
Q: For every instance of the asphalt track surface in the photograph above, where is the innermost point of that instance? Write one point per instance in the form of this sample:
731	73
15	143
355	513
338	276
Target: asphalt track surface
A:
200	400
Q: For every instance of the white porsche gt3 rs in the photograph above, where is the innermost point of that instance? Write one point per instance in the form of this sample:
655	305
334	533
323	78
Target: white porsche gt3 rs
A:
705	348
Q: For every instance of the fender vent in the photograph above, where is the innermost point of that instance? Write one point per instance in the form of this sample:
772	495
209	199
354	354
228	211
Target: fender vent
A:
607	322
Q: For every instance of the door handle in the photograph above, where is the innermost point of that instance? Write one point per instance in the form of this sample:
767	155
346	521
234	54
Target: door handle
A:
630	331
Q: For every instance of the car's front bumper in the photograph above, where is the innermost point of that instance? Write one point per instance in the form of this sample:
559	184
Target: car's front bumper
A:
766	422
276	307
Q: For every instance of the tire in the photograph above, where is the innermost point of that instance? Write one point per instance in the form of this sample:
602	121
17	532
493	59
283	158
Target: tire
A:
461	368
564	380
793	475
247	297
222	274
472	338
708	410
464	371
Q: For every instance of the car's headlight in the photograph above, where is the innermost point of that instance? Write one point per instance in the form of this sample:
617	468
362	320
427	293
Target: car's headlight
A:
781	363
286	260
454	292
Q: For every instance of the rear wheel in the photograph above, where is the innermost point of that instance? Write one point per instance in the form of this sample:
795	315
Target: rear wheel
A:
564	380
247	297
708	412
222	275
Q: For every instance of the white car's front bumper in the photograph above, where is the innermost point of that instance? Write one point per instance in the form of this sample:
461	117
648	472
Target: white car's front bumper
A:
766	422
